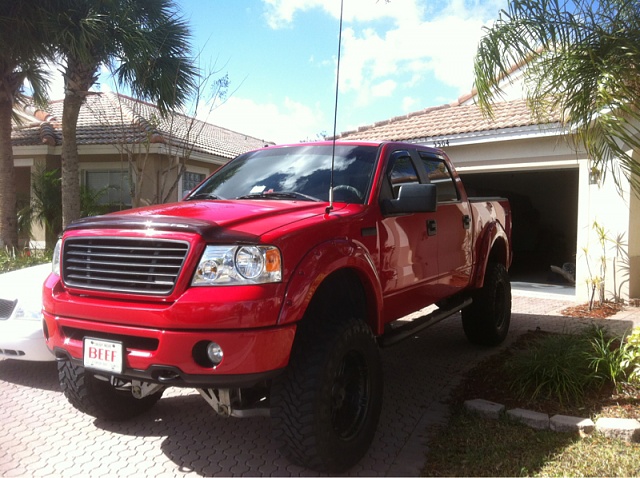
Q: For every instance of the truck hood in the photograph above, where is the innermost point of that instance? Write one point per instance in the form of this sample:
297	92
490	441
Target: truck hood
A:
214	220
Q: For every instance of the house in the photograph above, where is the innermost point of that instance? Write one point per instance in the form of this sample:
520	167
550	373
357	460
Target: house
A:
128	153
562	208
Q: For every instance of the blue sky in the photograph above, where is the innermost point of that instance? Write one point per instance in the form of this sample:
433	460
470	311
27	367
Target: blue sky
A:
398	56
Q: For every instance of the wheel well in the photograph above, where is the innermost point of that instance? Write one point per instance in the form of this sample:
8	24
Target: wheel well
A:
344	289
499	253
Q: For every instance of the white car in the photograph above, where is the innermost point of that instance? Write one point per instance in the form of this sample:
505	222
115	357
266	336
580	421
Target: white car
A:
21	334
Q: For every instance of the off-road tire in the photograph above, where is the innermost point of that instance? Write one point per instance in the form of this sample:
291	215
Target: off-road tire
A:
99	398
486	321
325	407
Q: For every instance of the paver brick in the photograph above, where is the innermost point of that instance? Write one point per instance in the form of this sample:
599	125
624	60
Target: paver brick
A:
528	417
485	408
182	433
564	423
626	429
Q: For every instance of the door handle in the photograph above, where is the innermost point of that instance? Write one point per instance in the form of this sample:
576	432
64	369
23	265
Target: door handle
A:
432	227
466	221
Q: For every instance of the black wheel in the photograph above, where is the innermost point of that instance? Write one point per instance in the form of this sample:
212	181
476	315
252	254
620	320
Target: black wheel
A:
325	407
486	321
97	397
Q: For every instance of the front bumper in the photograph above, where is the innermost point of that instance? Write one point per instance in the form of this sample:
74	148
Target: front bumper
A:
167	356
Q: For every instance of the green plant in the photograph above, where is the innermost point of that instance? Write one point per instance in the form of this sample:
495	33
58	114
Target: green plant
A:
11	259
596	282
90	204
46	202
632	355
554	368
607	357
616	360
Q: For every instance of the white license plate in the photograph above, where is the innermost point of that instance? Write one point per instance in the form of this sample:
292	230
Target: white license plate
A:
104	355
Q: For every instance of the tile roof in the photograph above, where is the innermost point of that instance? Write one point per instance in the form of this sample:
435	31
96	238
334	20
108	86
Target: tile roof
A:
447	120
110	118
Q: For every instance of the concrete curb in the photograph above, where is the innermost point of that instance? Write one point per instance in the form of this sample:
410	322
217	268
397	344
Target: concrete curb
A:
627	429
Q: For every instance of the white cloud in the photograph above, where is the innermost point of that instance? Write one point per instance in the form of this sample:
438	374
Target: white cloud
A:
409	104
290	122
281	13
400	40
444	46
56	81
384	89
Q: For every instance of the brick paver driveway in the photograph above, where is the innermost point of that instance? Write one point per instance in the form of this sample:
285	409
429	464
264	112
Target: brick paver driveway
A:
41	434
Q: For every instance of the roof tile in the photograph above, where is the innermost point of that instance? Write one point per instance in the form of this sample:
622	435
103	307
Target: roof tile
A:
447	120
110	118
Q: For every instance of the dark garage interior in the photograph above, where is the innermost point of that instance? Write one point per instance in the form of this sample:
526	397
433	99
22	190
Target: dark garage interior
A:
544	205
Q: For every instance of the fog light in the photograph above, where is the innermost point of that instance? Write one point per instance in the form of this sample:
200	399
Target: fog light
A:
214	352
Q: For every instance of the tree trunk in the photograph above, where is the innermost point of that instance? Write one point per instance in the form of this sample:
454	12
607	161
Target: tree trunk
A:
70	168
8	208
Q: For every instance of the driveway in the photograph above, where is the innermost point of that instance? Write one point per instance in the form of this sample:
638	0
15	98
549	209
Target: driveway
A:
41	434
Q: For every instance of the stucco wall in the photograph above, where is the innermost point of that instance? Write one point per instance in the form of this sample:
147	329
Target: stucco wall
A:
603	236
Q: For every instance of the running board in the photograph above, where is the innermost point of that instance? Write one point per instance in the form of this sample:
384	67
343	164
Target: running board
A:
416	325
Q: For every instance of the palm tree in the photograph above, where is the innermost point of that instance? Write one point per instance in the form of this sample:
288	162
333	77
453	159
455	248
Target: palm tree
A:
23	49
582	61
143	42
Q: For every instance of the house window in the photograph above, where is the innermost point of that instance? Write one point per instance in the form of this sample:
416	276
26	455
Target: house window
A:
190	180
112	187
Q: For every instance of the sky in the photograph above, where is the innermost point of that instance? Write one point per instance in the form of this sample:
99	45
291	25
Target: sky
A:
280	56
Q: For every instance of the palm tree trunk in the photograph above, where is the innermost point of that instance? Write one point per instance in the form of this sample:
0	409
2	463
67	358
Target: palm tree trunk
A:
8	211
70	162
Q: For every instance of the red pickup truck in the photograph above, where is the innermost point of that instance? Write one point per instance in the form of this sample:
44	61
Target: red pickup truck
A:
272	285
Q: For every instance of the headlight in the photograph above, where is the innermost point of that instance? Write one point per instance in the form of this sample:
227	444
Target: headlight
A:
237	265
55	263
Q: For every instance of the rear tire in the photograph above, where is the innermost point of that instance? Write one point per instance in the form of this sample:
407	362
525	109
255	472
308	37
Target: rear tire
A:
99	398
326	406
486	321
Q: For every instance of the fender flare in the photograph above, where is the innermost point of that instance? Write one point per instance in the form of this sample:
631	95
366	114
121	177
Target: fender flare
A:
318	264
491	234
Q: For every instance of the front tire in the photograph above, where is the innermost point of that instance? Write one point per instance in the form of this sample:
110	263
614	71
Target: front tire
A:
486	321
326	406
99	398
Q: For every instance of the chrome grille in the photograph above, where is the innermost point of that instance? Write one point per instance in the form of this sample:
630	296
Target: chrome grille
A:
138	266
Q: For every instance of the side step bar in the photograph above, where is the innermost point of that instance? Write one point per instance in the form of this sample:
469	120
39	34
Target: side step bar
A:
402	332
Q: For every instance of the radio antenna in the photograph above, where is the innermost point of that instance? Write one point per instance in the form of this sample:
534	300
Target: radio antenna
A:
335	112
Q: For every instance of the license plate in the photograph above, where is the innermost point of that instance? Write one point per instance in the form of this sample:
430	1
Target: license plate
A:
105	355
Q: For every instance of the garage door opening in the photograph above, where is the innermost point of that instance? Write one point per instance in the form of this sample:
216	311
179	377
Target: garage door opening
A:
544	208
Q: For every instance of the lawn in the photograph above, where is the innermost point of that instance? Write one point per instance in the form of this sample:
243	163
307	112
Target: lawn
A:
473	446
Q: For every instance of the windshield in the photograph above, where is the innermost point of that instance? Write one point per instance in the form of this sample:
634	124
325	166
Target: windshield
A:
296	172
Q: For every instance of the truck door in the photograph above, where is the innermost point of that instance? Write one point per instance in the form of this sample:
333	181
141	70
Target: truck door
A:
409	258
451	223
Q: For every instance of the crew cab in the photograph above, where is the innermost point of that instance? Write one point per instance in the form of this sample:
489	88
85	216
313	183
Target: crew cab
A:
272	285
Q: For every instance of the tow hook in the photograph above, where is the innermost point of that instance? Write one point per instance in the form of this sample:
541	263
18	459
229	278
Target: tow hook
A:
143	389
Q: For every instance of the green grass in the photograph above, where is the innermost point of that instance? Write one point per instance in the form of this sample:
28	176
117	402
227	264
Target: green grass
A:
552	373
11	260
473	446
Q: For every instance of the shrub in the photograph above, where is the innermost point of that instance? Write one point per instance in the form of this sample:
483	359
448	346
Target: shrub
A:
617	360
607	357
557	367
10	259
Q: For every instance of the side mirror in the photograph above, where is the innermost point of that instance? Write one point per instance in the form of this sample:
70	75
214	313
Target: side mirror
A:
411	198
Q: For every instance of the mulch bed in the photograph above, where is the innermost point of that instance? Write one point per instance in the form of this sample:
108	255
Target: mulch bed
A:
489	381
598	311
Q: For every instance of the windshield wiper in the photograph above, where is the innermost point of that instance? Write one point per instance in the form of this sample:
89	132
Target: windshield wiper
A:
204	196
280	195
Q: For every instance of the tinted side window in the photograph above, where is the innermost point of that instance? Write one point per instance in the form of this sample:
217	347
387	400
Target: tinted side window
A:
401	171
440	175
